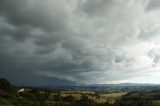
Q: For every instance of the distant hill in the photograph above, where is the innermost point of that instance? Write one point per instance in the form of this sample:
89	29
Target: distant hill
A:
124	85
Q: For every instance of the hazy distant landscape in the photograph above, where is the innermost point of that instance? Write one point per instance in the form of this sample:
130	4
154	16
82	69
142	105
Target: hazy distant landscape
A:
79	95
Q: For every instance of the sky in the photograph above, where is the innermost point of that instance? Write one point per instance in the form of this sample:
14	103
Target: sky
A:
74	42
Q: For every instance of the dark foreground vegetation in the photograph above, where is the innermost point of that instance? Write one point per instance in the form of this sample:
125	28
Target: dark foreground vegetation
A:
25	96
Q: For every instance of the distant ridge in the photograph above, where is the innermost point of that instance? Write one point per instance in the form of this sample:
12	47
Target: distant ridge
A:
125	84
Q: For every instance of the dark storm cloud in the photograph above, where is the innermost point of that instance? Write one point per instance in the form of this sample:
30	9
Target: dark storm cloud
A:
17	33
33	13
31	47
24	45
73	42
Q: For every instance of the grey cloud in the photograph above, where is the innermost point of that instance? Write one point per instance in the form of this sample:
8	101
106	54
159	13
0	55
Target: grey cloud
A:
148	33
96	8
34	13
52	41
153	4
154	54
157	59
119	59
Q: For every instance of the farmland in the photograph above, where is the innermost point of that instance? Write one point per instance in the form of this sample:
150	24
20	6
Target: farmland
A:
78	96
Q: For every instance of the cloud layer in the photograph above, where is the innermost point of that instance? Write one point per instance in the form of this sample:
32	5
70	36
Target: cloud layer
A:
70	42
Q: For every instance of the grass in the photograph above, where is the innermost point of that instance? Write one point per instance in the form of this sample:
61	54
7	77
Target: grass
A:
113	95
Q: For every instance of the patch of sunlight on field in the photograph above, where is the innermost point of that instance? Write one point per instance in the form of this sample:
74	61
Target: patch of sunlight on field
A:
156	102
75	95
113	95
99	98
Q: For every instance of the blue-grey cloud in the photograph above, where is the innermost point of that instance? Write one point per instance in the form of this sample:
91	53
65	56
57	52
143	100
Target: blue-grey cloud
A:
73	42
